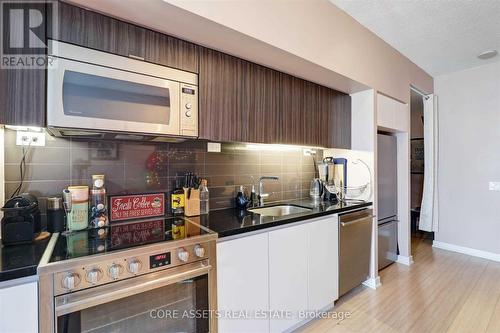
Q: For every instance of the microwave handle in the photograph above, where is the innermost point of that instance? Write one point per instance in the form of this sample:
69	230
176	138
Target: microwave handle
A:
85	299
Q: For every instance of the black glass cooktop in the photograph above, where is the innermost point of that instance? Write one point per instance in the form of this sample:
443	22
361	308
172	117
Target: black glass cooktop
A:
124	235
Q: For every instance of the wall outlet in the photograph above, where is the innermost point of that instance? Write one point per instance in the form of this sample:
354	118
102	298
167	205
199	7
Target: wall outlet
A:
30	138
495	186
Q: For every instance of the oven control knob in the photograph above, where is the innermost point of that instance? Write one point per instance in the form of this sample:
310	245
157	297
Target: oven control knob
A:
183	255
188	113
189	106
71	280
199	251
114	271
134	266
94	275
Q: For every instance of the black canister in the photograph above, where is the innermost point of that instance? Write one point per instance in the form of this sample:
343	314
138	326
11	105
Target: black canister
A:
55	215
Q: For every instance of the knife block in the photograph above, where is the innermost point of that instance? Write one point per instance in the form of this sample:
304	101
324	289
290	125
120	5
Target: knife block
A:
191	204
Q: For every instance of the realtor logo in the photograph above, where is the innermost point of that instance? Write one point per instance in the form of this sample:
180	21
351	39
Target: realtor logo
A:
24	29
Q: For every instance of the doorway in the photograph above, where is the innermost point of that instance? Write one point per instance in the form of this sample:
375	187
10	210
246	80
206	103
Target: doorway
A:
417	141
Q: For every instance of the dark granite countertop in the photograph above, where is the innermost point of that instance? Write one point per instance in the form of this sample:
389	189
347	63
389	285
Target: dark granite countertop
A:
17	261
230	222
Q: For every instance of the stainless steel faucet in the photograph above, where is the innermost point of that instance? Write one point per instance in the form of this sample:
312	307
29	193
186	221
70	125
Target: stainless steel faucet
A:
263	195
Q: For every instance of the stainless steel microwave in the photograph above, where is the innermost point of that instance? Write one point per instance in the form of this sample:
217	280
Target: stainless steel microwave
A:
97	94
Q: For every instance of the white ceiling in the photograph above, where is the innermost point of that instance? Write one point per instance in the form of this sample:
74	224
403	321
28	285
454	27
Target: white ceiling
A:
440	36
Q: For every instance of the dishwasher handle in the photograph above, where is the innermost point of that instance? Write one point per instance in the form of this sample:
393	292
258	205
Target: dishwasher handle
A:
363	219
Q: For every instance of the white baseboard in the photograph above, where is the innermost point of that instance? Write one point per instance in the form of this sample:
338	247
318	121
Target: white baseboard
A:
405	260
373	283
467	250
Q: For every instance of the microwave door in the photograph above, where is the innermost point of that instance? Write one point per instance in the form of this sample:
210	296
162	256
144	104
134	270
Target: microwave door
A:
90	97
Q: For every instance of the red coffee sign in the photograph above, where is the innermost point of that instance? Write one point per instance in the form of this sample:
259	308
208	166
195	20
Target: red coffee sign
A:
136	206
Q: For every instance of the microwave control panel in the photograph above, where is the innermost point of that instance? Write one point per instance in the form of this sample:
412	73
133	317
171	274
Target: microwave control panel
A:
189	110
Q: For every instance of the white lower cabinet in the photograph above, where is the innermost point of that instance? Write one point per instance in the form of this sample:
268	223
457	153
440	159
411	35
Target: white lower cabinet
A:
19	308
284	273
323	273
243	284
287	276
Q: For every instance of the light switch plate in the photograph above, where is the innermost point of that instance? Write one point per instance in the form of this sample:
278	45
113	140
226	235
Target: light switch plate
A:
30	138
213	147
495	186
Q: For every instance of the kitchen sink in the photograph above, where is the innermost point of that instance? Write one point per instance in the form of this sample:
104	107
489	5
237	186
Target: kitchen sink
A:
279	210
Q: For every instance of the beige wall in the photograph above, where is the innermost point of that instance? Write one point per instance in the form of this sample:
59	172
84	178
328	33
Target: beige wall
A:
312	39
469	158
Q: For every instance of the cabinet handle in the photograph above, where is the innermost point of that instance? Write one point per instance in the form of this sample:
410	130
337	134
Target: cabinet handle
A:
135	57
344	224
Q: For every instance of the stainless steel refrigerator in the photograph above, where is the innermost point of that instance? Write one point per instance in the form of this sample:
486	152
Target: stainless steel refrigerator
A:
387	214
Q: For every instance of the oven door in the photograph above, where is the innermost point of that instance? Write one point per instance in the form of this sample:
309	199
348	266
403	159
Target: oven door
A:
173	300
92	97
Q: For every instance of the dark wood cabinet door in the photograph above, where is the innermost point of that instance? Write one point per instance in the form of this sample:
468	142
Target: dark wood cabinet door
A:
261	101
293	117
340	137
90	29
22	90
169	51
221	115
300	112
239	100
314	115
22	97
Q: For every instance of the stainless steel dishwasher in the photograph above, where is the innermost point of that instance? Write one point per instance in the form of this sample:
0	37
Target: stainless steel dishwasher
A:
355	239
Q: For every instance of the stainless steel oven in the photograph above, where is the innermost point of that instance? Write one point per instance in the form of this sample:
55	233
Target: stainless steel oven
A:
162	287
94	93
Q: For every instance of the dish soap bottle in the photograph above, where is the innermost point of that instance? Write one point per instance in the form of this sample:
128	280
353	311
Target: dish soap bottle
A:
241	201
204	197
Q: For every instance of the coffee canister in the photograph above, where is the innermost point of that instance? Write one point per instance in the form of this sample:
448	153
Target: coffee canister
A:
55	215
78	218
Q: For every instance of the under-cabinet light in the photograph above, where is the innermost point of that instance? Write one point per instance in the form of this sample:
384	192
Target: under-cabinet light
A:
275	147
24	128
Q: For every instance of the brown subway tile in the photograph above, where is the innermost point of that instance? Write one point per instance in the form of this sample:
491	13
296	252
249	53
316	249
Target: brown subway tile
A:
219	170
247	169
37	172
270	169
37	188
222	191
14	154
220	180
221	203
220	158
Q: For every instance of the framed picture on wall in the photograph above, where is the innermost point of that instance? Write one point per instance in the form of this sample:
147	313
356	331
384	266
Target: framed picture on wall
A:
417	156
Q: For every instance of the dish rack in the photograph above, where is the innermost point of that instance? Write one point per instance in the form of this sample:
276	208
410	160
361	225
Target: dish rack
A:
349	192
353	192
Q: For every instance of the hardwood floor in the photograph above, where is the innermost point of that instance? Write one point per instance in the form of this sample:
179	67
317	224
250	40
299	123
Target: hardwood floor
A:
442	292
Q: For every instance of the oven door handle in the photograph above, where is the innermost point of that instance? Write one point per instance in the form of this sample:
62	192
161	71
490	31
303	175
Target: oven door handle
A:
84	299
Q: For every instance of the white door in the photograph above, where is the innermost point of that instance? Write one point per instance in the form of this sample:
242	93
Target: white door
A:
323	248
287	276
242	283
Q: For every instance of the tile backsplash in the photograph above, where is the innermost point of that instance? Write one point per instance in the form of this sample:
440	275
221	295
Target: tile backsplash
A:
133	167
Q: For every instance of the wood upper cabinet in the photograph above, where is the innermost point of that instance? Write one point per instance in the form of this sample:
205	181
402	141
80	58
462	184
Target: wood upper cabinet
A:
169	51
239	100
22	92
300	112
246	102
90	29
221	116
340	121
